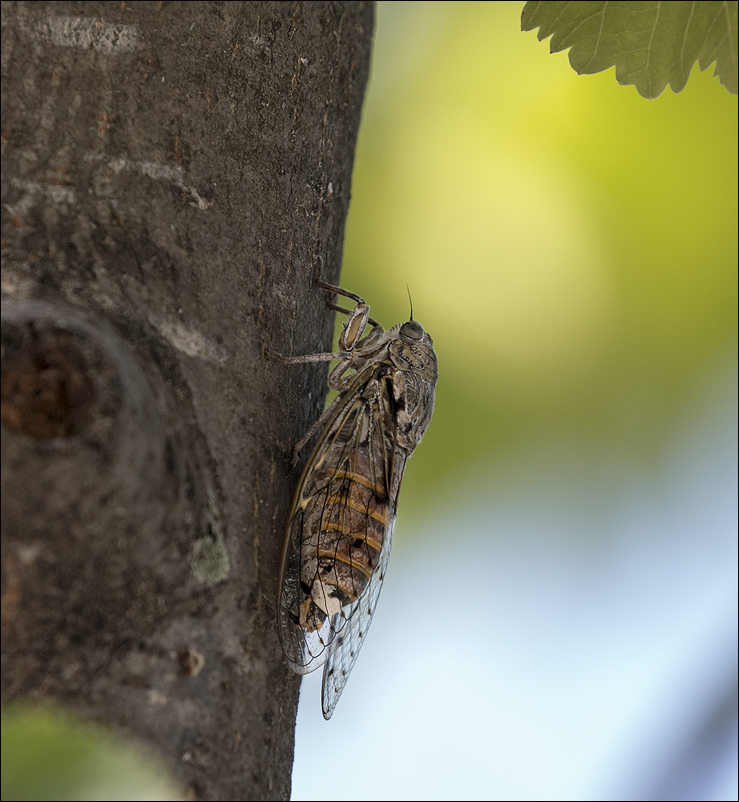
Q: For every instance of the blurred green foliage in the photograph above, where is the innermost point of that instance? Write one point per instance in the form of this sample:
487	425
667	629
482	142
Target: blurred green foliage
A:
50	754
571	246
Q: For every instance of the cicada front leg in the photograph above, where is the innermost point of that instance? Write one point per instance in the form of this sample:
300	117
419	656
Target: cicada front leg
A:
351	333
350	345
357	319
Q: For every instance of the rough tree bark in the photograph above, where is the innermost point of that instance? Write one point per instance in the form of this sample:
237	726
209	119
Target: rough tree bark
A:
173	175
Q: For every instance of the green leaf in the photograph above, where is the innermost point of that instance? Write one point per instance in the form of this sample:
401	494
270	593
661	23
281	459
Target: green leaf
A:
651	44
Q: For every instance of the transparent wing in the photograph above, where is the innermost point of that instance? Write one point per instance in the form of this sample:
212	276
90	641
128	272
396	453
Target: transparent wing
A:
305	650
349	637
357	442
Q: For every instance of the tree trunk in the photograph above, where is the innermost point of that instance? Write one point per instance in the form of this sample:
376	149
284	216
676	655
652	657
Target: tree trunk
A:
174	174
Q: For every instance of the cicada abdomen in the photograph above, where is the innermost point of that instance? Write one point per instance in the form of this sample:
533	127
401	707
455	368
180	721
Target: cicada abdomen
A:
341	525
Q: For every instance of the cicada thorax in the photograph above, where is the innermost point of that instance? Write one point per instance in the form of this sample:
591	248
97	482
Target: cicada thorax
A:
348	510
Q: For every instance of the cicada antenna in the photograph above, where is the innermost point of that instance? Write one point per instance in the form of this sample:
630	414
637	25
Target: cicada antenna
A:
410	299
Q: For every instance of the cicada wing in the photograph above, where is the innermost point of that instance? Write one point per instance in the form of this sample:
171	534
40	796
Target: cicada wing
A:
344	511
350	636
308	647
305	650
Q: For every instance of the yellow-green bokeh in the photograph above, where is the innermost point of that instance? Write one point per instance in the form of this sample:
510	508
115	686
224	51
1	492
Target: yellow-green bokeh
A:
571	246
51	753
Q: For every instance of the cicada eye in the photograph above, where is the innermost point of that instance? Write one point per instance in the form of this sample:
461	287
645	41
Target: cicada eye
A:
412	330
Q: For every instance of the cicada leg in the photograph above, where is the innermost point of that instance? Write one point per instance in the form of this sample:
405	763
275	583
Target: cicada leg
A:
317	425
350	342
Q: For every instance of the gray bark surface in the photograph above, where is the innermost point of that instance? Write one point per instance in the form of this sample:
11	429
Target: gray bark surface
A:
174	174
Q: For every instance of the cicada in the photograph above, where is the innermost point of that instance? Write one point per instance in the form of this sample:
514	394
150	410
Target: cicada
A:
341	525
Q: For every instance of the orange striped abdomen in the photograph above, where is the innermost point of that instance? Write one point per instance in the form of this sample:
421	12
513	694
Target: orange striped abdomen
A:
344	527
